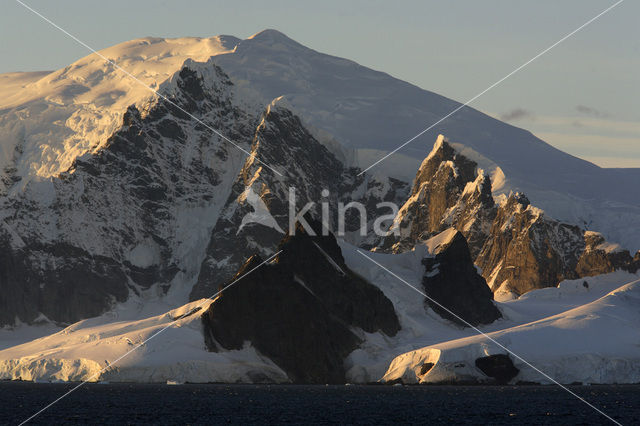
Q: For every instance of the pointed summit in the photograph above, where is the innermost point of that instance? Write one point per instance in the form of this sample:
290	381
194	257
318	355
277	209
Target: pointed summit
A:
271	36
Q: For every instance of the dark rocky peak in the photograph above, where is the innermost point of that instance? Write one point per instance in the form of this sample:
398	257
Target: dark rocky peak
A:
521	199
300	309
318	261
451	279
191	84
448	191
485	191
515	244
282	320
282	140
443	155
453	243
306	166
199	87
131	117
309	169
312	232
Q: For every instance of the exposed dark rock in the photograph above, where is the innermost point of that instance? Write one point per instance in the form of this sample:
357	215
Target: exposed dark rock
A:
635	263
525	250
319	263
515	245
191	84
283	321
143	198
63	282
309	168
299	310
499	367
426	367
437	188
71	258
452	280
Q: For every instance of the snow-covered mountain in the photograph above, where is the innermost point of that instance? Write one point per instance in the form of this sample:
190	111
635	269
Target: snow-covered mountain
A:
47	121
161	202
370	111
119	204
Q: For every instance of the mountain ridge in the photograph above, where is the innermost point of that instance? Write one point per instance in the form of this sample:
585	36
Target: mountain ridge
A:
115	203
516	245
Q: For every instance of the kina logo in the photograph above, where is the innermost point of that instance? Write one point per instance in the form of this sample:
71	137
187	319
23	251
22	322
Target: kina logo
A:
260	213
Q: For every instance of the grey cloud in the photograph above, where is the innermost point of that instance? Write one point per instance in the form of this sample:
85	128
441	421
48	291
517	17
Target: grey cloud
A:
516	114
590	111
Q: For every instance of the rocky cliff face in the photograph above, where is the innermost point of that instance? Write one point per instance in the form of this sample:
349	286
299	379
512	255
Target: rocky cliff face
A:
525	250
452	281
300	310
159	206
314	175
600	257
165	205
115	221
516	246
59	281
448	191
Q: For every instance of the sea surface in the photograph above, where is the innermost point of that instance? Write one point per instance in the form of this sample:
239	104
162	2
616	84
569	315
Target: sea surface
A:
292	404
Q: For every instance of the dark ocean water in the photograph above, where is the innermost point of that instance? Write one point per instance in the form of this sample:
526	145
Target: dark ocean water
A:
283	404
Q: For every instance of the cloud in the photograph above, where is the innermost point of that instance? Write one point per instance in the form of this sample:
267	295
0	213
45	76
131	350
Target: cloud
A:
516	114
590	111
603	150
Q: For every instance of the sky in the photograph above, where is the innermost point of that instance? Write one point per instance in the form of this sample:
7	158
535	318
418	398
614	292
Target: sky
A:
583	96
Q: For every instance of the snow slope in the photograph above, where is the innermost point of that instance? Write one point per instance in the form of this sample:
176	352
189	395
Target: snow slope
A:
82	351
49	119
571	303
22	333
596	342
